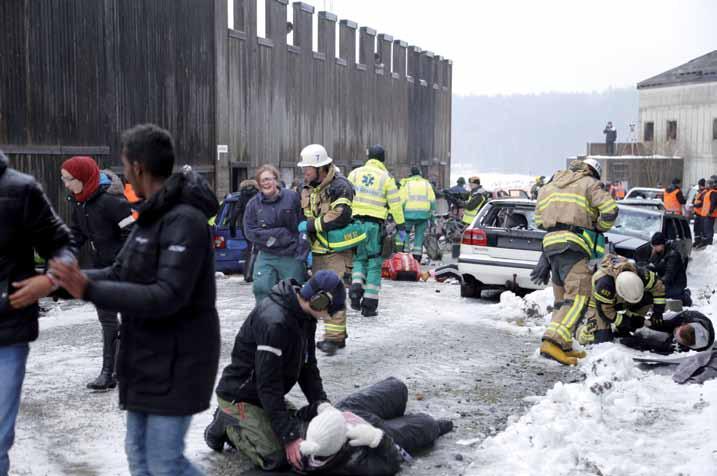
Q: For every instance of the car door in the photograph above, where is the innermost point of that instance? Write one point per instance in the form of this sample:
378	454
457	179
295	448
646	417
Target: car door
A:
674	233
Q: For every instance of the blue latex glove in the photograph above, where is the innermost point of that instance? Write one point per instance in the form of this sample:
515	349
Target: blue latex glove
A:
403	236
303	226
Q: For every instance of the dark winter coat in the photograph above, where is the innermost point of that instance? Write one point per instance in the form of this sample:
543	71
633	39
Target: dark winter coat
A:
246	193
163	284
271	223
384	460
689	317
103	221
27	222
610	135
274	351
672	270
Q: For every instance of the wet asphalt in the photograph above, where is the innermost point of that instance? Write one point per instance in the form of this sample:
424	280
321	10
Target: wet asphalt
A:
455	365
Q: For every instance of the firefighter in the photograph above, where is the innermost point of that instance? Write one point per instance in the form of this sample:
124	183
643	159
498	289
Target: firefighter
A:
419	202
326	200
673	198
375	195
475	202
622	296
575	211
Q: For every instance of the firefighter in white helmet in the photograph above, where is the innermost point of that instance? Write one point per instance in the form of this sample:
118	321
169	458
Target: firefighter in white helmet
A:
326	200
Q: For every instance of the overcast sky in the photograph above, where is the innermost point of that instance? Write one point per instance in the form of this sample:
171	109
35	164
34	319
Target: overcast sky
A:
533	46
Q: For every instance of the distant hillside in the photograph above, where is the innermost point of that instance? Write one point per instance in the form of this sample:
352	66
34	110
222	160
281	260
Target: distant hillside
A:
533	134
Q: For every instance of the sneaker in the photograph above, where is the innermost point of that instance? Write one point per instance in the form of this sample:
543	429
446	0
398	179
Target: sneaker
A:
215	435
330	347
445	426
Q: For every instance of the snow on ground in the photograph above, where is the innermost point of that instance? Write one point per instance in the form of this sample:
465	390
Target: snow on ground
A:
620	420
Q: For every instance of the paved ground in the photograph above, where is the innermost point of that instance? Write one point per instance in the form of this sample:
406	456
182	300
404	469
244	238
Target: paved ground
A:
454	362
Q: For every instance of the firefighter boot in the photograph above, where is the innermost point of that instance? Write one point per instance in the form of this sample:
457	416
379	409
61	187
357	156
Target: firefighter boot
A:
215	435
330	347
369	307
578	354
552	351
355	295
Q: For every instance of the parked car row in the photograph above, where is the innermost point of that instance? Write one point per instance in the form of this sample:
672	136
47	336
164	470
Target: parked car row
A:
502	246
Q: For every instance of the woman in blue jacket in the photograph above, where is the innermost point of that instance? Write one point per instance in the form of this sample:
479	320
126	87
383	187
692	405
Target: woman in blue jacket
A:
271	221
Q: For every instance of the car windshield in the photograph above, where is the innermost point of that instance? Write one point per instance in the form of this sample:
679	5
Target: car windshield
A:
635	223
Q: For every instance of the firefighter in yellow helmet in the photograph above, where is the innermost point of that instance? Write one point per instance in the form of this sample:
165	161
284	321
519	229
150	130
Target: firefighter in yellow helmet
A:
575	211
622	296
375	194
477	199
326	200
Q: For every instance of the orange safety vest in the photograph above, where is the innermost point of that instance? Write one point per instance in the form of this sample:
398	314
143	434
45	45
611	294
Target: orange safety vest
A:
699	203
671	203
132	198
706	204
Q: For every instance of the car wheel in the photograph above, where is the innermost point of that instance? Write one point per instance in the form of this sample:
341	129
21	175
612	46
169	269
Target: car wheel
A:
470	288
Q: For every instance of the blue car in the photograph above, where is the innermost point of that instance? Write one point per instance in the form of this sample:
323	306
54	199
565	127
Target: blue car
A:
230	253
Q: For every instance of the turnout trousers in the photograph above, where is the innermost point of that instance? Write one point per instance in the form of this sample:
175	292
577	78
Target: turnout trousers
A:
341	264
572	285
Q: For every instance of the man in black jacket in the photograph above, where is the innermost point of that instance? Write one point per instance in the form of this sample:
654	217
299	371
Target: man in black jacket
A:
667	262
274	351
27	222
163	284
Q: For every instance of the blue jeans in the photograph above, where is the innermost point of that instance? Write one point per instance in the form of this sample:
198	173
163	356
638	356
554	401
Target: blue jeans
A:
155	445
12	372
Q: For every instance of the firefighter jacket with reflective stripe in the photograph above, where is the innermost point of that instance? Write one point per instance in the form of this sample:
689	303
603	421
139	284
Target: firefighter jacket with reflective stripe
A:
327	209
673	199
418	198
375	192
478	198
604	294
571	202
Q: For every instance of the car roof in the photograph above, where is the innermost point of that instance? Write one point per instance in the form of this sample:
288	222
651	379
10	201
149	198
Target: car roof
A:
646	189
641	201
512	200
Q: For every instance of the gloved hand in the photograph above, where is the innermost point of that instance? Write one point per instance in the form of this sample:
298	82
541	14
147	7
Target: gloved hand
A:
303	227
541	273
364	434
656	320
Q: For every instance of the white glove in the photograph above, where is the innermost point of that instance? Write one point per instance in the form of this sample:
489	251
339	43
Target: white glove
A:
323	406
364	434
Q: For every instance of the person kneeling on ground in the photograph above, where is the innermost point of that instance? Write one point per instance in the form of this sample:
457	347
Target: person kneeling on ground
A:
667	262
688	330
368	433
622	297
273	351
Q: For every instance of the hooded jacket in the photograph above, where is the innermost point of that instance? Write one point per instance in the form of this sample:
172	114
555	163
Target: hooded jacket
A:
273	351
163	284
27	222
573	199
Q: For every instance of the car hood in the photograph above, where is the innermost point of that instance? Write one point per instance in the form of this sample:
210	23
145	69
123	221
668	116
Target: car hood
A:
624	241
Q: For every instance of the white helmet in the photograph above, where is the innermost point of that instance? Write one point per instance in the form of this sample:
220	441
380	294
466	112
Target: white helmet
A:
314	155
595	165
629	286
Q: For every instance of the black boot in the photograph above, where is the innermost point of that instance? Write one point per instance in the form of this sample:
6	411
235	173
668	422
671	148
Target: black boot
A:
418	258
215	435
369	307
329	347
445	426
355	295
106	379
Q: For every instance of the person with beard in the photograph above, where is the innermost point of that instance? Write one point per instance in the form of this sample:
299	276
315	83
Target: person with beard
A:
163	284
101	220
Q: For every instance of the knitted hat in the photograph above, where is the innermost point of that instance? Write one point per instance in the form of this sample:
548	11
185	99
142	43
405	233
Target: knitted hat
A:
701	335
329	282
658	238
325	435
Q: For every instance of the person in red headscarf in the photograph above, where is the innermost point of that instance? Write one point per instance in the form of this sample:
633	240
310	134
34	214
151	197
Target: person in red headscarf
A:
101	220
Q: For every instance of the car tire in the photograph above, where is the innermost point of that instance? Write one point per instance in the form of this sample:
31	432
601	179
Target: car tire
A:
470	288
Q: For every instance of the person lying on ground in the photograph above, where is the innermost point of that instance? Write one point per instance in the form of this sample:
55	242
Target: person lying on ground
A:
688	330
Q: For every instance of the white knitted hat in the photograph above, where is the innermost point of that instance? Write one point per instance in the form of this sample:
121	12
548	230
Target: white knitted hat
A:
326	434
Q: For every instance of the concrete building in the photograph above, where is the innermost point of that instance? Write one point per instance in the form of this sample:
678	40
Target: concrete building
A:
678	115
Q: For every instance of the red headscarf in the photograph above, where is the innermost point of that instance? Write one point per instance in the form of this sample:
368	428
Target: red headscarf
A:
85	170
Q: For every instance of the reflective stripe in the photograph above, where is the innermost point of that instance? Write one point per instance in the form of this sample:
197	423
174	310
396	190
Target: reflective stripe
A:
600	298
561	331
369	191
268	348
650	280
358	199
607	206
562	237
566	198
126	221
334	327
659	301
574	312
394	200
340	201
372	287
605	225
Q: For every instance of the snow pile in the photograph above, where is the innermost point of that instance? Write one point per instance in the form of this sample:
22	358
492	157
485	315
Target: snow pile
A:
701	277
618	421
530	311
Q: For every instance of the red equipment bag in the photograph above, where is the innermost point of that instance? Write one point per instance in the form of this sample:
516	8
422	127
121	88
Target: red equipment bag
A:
401	267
